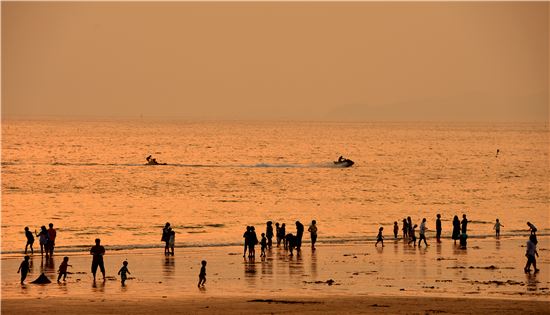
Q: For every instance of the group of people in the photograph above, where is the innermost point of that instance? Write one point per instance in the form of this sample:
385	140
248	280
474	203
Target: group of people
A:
46	238
290	241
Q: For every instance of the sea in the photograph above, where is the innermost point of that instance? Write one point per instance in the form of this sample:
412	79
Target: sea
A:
89	178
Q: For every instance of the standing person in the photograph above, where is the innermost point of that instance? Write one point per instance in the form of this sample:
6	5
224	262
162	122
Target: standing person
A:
456	228
464	224
412	235
30	240
24	268
395	229
252	241
202	274
438	228
283	235
313	233
531	253
123	271
278	234
246	238
97	259
379	237
52	234
410	226
166	238
269	233
299	236
172	241
497	228
263	245
63	268
405	229
422	233
43	240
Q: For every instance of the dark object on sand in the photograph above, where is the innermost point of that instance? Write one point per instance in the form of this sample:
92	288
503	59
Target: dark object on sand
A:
42	279
344	162
152	161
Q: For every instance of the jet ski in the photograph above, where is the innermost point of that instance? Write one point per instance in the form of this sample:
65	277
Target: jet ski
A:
344	162
152	161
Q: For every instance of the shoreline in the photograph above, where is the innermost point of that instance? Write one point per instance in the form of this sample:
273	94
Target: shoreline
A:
83	249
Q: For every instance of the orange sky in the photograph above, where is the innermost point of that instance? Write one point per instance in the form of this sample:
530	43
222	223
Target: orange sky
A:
305	61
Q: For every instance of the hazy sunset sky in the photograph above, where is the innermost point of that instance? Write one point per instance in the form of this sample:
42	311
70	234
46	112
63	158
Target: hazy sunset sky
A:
304	61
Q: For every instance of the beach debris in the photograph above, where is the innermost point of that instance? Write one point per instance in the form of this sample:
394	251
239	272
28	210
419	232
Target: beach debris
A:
42	279
329	282
379	305
498	282
283	301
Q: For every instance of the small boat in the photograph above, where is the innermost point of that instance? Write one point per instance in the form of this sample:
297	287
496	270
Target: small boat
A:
344	163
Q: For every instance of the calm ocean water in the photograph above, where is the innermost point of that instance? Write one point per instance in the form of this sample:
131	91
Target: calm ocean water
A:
88	178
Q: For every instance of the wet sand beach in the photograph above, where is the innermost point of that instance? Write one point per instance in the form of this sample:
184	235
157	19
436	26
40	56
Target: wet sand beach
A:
335	278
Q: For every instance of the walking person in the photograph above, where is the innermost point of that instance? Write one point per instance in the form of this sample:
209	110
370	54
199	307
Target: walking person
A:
395	229
24	268
202	274
172	242
410	226
30	240
63	269
263	245
456	229
422	232
531	254
52	234
412	235
379	237
438	228
313	233
405	229
122	272
97	253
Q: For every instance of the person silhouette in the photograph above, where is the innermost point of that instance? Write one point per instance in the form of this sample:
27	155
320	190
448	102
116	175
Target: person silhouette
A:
30	240
202	274
24	268
299	236
123	271
97	259
63	268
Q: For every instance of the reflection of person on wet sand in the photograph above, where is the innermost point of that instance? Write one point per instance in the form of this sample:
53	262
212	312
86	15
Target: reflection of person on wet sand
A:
24	268
97	260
